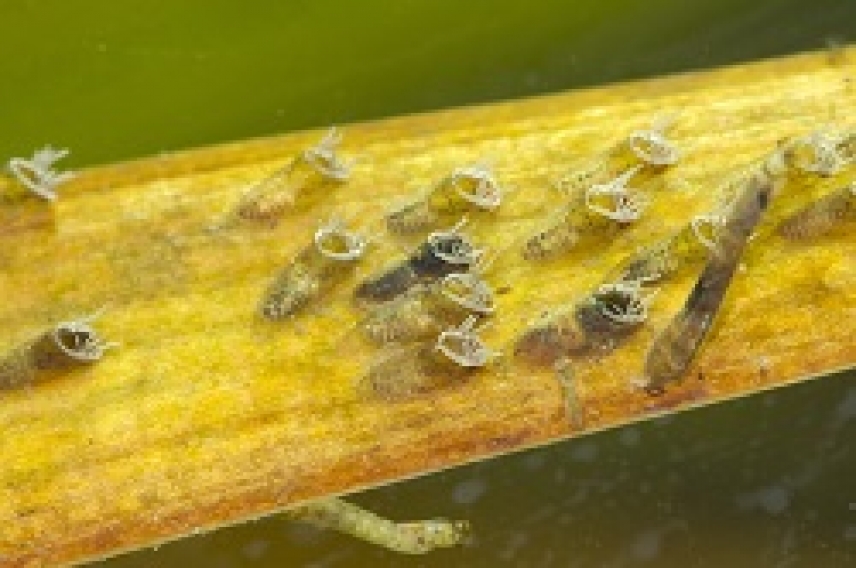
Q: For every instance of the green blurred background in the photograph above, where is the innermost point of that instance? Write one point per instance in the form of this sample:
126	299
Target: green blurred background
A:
766	481
125	78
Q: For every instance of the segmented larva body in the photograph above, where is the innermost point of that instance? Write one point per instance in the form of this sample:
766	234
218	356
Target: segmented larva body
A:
821	216
600	212
417	537
673	350
422	367
427	310
597	323
65	346
317	269
465	191
443	253
318	166
693	243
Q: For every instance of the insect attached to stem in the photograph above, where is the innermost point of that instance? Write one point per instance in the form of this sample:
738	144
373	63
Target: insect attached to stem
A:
818	153
415	537
331	256
442	253
694	242
675	347
821	216
651	147
38	174
428	309
421	367
66	345
466	190
597	323
600	211
311	171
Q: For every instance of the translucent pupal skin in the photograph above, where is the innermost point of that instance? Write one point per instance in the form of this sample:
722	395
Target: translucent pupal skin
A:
593	325
563	230
821	216
314	272
422	367
599	211
426	310
675	347
651	146
412	370
16	368
38	175
414	537
63	347
560	335
466	191
660	261
440	255
306	175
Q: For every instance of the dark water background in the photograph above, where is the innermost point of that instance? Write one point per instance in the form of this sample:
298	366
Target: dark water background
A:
765	481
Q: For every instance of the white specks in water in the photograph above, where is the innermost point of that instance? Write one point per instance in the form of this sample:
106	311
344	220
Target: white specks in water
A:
585	452
469	491
774	499
647	545
533	462
629	436
846	409
513	545
850	533
255	549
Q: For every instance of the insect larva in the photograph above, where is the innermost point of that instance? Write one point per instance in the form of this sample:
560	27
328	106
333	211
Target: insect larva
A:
417	537
600	321
466	190
38	175
428	309
675	347
311	170
443	253
602	210
422	367
66	345
693	242
318	268
821	216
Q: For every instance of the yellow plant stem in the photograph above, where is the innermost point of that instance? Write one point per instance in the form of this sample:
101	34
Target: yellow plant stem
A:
207	413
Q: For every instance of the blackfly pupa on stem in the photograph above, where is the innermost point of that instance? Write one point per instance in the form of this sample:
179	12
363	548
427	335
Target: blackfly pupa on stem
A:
64	346
312	171
325	262
442	253
466	190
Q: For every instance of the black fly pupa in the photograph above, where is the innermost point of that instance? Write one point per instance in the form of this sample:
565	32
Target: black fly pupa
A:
65	346
331	256
443	253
